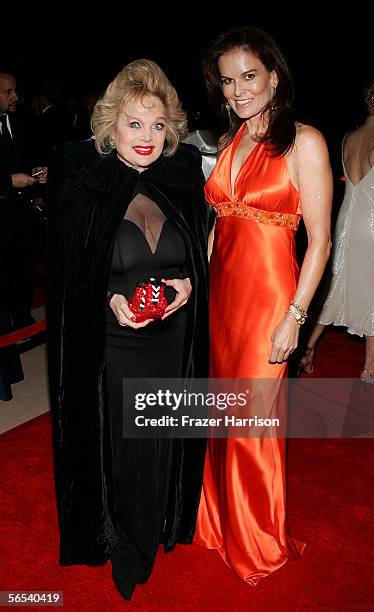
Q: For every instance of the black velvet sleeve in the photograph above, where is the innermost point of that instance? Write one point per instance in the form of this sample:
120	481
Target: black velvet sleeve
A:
211	218
61	186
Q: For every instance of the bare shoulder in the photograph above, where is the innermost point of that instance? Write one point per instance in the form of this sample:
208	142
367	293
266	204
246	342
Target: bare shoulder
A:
309	140
309	151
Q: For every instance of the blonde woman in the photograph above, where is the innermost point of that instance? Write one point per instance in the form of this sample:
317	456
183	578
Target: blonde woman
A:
125	206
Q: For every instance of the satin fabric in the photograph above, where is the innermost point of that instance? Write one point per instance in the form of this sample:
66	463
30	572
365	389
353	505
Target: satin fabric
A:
254	273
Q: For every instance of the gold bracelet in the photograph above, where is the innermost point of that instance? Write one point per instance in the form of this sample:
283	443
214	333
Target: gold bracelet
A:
300	318
299	308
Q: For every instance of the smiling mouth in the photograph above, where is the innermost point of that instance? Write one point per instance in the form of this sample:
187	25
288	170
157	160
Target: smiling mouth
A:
143	150
243	102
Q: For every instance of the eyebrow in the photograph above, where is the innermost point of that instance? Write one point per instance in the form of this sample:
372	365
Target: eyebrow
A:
242	74
130	117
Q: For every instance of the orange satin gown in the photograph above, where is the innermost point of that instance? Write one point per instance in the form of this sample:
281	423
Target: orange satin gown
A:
254	274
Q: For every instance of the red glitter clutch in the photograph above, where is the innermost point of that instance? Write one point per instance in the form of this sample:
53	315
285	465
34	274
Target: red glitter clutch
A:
148	300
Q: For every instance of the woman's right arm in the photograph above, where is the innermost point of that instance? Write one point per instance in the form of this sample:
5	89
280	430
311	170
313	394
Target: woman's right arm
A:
211	240
220	148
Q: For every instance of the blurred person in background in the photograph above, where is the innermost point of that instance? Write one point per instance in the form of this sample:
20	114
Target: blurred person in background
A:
350	295
19	225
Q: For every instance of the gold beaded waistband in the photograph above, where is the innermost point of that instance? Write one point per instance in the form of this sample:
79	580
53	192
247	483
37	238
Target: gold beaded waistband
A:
232	209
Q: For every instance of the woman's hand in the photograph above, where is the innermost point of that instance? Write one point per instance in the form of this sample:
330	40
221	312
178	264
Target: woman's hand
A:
183	288
40	173
284	338
123	314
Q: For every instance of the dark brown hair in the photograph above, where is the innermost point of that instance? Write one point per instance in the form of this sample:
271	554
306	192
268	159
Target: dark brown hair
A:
281	130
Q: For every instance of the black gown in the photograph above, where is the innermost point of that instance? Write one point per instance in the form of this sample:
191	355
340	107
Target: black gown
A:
88	196
147	245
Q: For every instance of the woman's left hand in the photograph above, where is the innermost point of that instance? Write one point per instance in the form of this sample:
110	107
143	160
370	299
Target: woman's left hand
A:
41	178
284	338
183	288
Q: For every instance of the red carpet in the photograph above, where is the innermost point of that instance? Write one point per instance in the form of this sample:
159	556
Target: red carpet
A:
330	493
338	355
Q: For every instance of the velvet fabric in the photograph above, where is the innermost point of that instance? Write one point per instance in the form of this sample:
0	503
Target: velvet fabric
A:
88	197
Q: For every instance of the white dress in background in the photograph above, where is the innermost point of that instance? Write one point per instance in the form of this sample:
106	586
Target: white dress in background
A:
350	298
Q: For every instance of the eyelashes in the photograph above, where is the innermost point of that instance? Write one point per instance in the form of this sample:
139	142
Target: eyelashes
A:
246	77
157	126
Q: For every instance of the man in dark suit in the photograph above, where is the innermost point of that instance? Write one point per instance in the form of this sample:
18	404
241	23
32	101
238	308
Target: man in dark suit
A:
53	124
18	222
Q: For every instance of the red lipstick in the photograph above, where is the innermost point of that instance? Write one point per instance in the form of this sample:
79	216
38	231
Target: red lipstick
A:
143	150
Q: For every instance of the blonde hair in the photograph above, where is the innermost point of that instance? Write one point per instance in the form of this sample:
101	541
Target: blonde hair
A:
369	98
138	79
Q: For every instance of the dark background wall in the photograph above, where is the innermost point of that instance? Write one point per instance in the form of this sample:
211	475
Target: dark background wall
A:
331	60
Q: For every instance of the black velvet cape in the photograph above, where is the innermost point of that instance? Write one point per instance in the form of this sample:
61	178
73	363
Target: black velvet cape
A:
88	197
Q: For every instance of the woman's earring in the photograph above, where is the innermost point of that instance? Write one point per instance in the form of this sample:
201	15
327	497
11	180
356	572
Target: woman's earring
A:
275	89
111	142
228	108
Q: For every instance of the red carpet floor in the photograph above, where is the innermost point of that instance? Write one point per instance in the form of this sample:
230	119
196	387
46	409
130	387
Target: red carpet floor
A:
330	499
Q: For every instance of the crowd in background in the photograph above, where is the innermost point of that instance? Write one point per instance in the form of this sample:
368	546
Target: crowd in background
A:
31	125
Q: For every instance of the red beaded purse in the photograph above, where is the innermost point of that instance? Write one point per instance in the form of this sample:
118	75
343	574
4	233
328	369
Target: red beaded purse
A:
148	300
